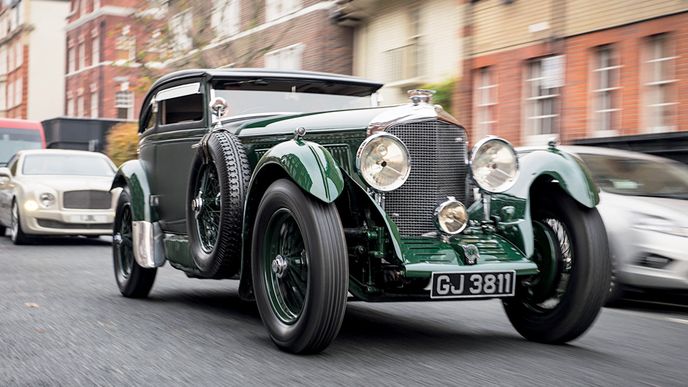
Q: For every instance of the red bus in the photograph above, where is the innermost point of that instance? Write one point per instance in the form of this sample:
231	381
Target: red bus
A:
16	135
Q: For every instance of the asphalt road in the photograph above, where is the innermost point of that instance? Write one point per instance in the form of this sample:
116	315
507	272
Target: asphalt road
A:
63	322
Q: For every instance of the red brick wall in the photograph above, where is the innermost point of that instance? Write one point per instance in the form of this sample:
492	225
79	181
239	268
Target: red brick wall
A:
508	69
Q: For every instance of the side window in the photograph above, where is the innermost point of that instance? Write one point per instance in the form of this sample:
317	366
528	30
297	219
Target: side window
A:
180	104
188	108
151	117
12	165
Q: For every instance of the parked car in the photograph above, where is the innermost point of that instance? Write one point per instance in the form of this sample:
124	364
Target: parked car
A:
16	135
302	187
56	192
644	206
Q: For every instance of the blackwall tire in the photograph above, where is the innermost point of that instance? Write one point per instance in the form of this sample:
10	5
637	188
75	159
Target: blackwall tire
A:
133	280
17	234
214	216
563	311
309	238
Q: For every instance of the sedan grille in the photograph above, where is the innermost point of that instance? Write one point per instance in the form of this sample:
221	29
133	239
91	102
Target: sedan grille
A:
438	170
87	200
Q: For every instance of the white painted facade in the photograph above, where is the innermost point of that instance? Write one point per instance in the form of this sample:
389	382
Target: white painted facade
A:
407	43
46	44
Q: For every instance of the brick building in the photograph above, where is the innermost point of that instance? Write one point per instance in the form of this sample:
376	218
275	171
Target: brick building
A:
31	57
574	68
116	48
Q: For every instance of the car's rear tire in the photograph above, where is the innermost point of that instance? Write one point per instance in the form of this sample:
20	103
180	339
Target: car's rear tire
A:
133	280
571	250
215	205
299	268
17	235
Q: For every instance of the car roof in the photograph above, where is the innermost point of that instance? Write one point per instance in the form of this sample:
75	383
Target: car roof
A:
265	73
602	151
58	152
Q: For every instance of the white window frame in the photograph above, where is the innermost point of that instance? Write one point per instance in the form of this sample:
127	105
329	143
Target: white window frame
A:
286	58
666	84
612	90
124	99
94	104
71	54
275	9
82	55
19	55
80	111
95	48
225	18
485	102
70	107
533	106
126	42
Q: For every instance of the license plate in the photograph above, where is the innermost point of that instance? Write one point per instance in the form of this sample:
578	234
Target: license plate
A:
88	219
473	284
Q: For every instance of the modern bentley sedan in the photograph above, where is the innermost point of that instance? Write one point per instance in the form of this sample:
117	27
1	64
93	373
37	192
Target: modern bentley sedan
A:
56	192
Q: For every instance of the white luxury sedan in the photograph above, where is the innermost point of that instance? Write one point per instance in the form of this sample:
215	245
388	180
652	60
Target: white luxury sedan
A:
56	192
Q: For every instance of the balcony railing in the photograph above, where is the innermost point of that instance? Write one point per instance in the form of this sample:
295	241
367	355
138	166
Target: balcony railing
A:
404	63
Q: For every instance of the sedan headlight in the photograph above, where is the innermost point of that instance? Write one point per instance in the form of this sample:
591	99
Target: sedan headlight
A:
383	162
494	164
46	199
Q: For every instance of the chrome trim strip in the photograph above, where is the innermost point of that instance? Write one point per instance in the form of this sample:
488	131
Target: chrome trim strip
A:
148	246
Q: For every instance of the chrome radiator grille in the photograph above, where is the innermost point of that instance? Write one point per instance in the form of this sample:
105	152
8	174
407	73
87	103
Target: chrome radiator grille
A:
438	170
86	200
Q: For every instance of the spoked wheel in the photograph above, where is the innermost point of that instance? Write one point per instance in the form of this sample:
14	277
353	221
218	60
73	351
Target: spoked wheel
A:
299	267
215	209
133	280
206	207
571	252
16	233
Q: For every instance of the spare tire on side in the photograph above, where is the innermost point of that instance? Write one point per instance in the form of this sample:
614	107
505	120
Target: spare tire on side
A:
215	204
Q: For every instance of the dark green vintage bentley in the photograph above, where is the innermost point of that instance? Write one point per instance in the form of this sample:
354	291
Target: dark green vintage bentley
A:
305	190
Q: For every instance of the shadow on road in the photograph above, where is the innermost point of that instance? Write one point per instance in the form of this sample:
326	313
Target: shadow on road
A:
71	241
654	301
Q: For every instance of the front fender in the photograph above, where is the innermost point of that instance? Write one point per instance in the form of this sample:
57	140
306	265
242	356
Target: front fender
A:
553	165
308	164
132	175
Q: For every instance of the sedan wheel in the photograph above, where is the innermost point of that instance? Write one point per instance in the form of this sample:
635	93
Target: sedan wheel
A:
16	233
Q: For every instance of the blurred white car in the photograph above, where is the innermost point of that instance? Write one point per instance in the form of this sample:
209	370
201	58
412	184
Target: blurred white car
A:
644	206
56	192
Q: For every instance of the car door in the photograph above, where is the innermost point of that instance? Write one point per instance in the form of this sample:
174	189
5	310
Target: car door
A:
6	192
167	147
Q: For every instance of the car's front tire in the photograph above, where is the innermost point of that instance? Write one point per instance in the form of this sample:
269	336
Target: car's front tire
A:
17	235
299	268
133	280
571	251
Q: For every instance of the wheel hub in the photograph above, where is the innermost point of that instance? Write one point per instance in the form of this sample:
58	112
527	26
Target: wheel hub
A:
196	204
279	265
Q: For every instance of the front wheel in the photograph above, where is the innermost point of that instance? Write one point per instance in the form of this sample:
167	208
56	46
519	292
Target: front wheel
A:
133	280
17	235
299	268
571	251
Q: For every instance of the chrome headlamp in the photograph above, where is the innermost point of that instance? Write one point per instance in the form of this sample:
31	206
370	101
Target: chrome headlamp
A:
383	161
46	199
494	164
451	216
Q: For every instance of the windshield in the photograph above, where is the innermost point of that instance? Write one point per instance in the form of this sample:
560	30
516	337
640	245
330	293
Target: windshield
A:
638	177
13	140
78	165
291	96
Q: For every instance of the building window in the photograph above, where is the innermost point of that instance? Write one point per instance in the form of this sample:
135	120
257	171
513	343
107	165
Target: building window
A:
82	55
80	106
3	96
180	26
10	95
287	58
277	8
125	46
544	78
605	90
660	85
485	102
18	89
70	107
71	58
225	18
95	50
3	60
94	105
19	54
124	103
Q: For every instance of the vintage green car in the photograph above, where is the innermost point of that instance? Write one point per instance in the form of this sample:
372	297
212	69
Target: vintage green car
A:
310	194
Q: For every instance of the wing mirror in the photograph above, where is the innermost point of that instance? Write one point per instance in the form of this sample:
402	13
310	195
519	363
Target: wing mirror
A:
5	175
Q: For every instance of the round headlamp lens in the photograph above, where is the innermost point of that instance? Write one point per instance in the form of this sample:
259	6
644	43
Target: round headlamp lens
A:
47	199
451	216
383	162
494	165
